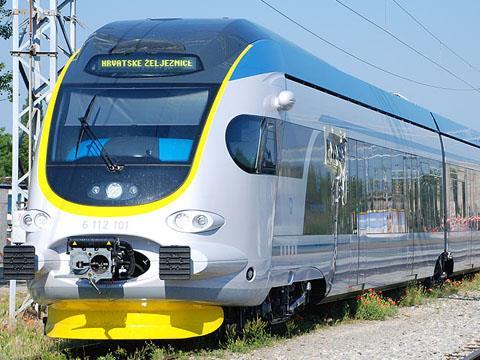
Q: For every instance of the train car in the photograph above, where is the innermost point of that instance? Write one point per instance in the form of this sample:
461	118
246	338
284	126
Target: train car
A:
191	171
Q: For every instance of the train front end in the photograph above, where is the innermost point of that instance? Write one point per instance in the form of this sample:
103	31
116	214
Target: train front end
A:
139	227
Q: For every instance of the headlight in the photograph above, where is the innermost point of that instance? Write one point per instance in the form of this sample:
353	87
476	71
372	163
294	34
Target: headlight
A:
195	221
200	221
41	220
27	220
34	220
114	190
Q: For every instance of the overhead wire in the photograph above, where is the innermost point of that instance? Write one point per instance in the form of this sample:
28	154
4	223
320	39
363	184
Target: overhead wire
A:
436	37
358	58
408	45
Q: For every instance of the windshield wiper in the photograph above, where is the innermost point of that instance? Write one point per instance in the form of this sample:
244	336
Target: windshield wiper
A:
86	129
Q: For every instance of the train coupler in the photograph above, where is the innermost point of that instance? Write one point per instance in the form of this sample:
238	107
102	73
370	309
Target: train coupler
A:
100	258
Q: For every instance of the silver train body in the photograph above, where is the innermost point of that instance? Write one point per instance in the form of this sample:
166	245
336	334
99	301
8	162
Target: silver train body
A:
301	181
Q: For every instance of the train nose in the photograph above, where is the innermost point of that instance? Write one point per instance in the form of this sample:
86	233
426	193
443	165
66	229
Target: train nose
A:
122	257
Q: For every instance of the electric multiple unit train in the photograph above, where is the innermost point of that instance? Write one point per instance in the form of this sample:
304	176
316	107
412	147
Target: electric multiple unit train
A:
193	170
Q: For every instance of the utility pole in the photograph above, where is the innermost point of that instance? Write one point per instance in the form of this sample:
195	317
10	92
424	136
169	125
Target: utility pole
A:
40	43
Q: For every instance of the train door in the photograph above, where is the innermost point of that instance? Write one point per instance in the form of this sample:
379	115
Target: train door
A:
414	211
429	238
471	211
475	219
362	212
459	237
385	242
289	247
411	212
349	215
334	162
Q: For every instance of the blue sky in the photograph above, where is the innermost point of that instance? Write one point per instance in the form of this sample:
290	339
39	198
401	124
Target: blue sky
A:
455	23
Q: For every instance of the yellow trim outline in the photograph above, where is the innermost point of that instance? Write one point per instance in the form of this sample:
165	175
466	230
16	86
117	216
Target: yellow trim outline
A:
110	211
131	319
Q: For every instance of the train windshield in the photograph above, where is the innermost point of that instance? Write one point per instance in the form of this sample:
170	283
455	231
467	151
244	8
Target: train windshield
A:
152	132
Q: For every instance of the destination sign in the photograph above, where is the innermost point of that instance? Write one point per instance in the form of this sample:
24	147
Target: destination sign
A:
138	65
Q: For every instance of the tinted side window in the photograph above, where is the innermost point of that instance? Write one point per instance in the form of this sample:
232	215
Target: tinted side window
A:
457	211
243	140
269	148
430	194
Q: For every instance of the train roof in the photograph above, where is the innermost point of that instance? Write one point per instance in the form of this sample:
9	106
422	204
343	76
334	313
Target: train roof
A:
219	41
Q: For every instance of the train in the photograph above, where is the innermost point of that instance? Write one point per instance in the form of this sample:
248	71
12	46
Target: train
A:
192	171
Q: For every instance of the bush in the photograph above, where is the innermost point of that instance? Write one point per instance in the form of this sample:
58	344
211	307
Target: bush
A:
472	283
254	334
373	306
415	295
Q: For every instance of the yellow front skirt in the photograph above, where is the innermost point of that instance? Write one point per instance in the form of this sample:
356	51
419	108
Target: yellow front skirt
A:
131	319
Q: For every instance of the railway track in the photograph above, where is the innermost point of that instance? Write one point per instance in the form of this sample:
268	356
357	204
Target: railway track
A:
473	356
471	351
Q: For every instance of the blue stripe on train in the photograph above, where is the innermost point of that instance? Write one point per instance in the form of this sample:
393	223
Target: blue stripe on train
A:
86	148
175	149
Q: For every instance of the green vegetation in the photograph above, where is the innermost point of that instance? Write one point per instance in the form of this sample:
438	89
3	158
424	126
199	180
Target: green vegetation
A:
6	150
5	89
6	93
254	335
374	306
27	341
5	33
5	154
417	294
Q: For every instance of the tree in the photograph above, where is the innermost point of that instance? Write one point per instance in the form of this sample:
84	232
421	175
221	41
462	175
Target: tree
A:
5	82
5	33
5	154
5	89
5	21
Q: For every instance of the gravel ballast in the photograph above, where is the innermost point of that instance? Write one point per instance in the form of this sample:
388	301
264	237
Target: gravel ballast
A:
444	328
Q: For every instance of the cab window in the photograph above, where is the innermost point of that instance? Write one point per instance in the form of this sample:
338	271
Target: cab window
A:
251	142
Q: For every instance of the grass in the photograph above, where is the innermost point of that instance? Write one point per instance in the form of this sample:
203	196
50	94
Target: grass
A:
26	340
254	335
418	294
